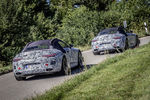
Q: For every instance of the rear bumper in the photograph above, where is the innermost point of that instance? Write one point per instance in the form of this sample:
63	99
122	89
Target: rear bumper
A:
103	50
109	48
36	71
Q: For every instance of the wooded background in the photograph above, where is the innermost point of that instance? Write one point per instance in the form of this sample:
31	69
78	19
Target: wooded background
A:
74	21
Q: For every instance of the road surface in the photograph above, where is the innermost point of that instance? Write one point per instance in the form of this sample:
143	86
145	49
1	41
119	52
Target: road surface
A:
10	89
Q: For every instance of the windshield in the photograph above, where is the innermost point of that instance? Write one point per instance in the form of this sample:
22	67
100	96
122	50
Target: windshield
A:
108	31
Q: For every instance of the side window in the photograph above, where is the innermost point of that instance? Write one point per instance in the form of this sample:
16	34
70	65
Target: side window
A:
64	45
56	45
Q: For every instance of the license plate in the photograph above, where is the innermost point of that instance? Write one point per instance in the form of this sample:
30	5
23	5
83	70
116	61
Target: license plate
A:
27	67
31	67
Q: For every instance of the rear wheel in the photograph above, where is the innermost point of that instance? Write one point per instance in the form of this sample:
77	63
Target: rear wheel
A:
96	53
137	42
120	50
18	78
65	69
80	59
126	44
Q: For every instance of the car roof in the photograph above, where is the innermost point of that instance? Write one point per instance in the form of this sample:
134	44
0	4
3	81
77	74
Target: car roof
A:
105	31
35	43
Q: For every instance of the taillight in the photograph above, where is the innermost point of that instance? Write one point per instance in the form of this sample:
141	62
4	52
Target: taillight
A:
51	55
16	59
19	68
94	40
46	65
117	38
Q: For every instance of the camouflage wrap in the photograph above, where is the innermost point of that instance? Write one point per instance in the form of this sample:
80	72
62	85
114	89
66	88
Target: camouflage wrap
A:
33	62
45	61
113	41
106	42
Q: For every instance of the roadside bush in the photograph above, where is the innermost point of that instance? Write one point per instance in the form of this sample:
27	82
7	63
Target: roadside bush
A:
79	26
109	19
30	20
135	12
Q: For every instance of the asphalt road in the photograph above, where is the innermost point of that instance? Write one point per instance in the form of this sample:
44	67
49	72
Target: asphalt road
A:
10	89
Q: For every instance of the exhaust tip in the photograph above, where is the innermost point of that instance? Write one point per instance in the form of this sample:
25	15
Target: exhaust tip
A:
49	69
18	73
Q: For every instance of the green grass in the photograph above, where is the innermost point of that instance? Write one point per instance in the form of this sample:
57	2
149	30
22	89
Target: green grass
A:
124	77
5	69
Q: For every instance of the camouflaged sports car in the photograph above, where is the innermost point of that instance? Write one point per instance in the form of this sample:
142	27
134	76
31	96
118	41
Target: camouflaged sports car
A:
46	57
113	39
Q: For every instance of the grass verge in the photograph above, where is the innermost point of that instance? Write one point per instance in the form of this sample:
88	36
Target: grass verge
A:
6	69
126	76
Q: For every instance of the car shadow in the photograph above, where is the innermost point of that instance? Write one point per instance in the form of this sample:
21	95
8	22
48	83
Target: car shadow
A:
80	69
74	71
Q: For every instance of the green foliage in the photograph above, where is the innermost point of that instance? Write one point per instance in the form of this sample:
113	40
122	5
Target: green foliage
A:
6	69
79	26
109	19
30	20
135	12
21	22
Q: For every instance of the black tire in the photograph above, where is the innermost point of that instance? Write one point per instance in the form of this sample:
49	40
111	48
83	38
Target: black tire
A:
80	59
20	78
137	42
120	50
65	70
96	53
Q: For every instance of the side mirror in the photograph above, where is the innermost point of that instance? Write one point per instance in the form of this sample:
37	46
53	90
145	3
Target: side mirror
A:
71	45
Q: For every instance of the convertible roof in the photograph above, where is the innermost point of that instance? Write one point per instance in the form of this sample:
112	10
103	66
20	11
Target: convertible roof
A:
31	44
35	43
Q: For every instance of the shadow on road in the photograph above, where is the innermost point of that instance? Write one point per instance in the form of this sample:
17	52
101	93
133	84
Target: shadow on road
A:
75	70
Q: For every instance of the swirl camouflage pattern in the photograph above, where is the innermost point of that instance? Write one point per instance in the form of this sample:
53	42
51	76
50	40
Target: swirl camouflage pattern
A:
46	57
113	39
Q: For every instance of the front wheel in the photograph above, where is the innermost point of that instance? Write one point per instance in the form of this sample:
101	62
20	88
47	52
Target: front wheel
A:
65	69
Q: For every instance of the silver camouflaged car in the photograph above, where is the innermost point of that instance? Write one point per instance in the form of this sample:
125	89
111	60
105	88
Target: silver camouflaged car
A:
113	39
46	57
